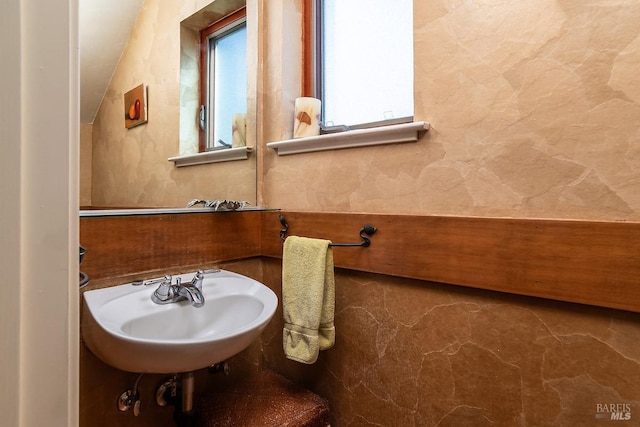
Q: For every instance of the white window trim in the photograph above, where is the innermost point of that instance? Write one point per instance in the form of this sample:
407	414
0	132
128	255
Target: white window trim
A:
215	156
393	134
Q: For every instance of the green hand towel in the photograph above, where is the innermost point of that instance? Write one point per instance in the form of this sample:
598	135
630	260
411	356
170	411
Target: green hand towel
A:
308	298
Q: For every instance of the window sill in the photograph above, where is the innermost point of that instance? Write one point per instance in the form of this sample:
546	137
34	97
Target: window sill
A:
393	134
227	155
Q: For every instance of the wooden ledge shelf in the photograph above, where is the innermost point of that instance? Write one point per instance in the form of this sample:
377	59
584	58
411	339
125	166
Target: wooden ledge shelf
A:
382	135
216	156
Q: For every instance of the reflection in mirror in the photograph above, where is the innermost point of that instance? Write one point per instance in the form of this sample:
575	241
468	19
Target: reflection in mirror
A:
128	168
225	75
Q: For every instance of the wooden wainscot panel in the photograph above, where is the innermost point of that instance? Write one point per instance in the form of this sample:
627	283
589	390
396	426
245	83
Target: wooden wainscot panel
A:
122	245
590	262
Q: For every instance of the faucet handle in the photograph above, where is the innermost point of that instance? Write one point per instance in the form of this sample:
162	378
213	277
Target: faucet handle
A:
197	279
165	281
164	292
150	282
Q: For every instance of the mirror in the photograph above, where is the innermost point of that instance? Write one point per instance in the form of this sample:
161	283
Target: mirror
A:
156	46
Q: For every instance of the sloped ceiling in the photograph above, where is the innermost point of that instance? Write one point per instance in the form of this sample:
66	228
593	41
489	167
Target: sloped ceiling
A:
105	26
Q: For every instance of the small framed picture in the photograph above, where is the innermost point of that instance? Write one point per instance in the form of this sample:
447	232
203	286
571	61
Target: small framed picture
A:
135	106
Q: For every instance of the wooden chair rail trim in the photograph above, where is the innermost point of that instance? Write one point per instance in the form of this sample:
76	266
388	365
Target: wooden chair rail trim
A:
119	246
588	262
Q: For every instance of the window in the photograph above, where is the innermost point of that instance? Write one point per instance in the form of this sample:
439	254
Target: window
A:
359	61
223	90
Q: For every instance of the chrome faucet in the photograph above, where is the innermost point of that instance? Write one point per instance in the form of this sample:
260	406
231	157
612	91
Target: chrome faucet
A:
168	293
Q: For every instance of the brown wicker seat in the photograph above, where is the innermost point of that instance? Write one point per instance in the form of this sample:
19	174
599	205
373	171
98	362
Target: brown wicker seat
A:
263	400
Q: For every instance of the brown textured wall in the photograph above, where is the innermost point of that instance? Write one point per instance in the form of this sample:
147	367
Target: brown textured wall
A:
408	352
122	246
414	353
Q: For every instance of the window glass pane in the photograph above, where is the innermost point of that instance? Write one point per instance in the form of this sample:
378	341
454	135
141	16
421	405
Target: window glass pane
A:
367	61
228	96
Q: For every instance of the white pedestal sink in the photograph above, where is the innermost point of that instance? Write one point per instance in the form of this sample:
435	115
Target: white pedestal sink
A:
125	329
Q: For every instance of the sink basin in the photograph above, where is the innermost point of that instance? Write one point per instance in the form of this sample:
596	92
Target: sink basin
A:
125	329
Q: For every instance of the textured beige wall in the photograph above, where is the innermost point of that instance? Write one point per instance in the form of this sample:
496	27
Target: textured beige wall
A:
130	167
86	155
534	107
534	112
